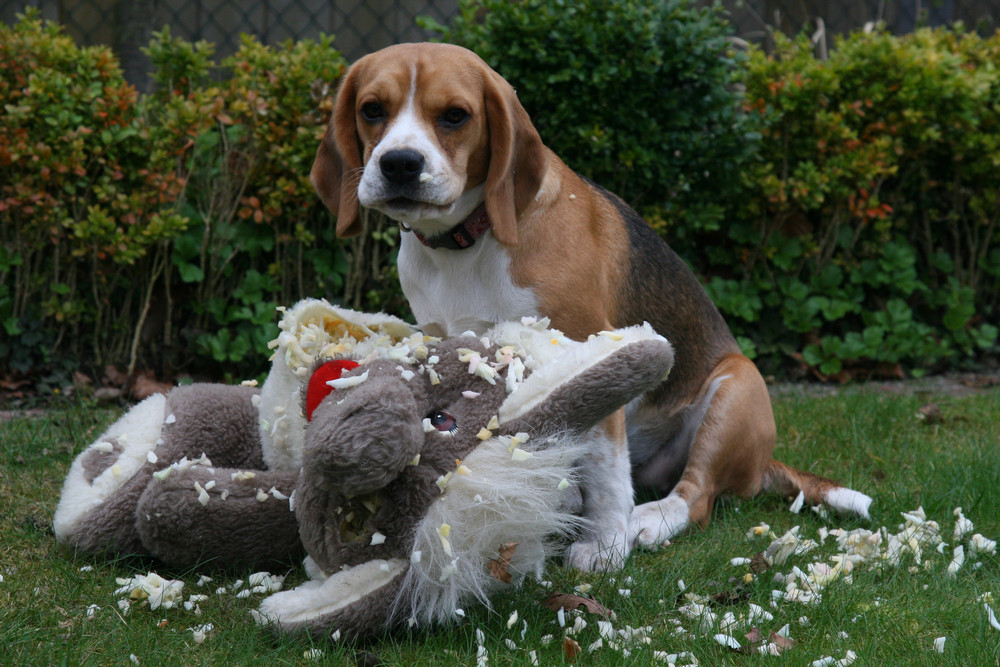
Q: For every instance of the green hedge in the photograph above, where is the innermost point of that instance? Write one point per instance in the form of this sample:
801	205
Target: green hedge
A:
842	213
638	95
85	197
868	237
158	231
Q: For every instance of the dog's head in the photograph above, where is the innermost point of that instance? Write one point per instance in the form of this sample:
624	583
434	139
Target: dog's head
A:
425	133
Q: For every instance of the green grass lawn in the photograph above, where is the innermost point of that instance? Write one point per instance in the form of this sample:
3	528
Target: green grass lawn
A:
886	615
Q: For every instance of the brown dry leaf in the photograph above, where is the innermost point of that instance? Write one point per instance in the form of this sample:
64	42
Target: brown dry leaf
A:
114	376
930	413
81	380
107	393
9	383
568	601
891	371
498	567
758	563
67	621
145	386
755	638
783	643
736	596
571	650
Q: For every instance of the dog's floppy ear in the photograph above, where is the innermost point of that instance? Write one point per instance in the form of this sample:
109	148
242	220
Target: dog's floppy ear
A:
336	171
517	159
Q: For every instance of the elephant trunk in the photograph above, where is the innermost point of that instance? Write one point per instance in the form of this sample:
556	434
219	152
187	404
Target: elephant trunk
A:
361	438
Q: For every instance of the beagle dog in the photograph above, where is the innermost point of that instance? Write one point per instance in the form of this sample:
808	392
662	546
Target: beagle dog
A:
496	227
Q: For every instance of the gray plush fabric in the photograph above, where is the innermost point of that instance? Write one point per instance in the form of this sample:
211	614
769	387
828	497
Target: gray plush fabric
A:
376	434
183	478
366	617
96	462
385	415
245	521
216	420
110	528
588	397
241	523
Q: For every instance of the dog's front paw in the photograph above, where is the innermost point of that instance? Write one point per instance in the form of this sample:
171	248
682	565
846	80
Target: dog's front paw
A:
599	555
654	523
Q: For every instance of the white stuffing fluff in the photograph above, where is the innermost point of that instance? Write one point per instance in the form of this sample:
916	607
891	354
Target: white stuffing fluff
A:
517	501
557	360
349	381
137	432
315	328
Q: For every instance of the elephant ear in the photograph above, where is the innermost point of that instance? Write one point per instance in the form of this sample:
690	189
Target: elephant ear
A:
584	382
519	489
351	603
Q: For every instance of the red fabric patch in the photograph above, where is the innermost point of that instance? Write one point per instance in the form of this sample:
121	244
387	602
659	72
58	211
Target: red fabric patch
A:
318	387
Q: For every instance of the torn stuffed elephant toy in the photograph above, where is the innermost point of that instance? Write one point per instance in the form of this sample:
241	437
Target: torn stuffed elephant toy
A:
419	475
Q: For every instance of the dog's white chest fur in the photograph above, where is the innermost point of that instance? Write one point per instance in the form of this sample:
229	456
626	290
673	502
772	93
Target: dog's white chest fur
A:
454	291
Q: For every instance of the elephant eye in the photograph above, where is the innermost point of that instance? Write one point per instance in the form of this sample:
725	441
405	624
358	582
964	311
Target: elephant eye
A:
443	421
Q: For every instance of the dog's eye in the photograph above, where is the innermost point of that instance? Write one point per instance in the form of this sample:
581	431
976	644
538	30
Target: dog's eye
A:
454	117
443	421
372	112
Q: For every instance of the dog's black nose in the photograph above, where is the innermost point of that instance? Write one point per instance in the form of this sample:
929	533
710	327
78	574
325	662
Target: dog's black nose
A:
401	167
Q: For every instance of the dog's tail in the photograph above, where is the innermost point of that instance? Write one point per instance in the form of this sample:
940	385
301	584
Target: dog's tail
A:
785	480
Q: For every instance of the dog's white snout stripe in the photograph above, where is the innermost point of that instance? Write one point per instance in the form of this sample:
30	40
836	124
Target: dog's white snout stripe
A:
408	156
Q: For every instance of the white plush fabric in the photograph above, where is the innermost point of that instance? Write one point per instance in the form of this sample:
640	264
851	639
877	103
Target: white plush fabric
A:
317	598
137	433
503	498
311	329
557	360
848	501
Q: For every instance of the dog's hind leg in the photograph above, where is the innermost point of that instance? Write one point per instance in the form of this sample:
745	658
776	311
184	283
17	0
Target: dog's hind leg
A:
729	453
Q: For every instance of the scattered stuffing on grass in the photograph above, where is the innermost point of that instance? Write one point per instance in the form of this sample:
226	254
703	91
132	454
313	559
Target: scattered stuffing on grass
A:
835	554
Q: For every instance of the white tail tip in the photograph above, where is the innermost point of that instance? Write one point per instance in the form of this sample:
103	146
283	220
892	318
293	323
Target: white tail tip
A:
847	500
